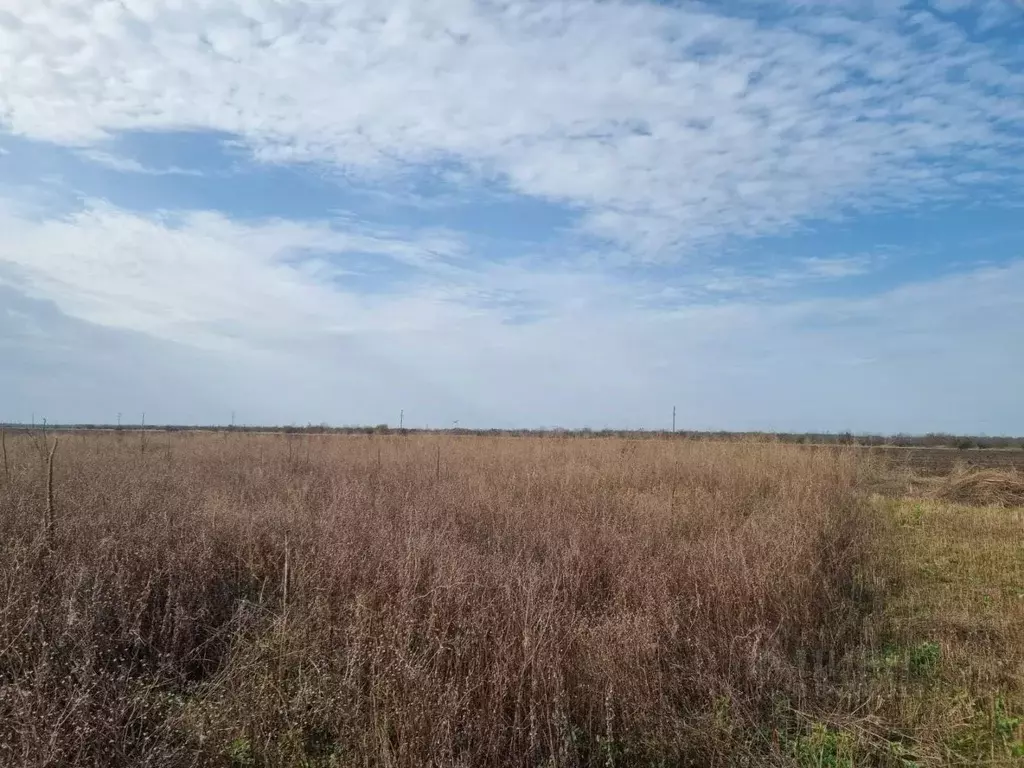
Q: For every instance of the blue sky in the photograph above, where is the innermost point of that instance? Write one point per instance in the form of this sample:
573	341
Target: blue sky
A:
786	215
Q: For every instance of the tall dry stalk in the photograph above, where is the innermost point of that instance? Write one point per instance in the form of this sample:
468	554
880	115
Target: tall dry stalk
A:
3	442
49	521
285	576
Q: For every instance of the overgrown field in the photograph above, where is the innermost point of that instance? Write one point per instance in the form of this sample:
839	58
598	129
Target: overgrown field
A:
274	600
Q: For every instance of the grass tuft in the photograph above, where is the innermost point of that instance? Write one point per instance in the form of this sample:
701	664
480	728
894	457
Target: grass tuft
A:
983	487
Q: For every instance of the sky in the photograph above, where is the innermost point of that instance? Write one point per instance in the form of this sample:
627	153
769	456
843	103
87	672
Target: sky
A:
784	215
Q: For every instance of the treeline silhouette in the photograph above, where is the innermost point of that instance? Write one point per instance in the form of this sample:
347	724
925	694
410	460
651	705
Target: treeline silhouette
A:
929	440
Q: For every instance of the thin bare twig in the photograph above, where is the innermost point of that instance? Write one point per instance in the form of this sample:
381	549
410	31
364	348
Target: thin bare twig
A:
286	577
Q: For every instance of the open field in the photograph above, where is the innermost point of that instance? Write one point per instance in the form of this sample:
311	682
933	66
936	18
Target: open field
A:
328	600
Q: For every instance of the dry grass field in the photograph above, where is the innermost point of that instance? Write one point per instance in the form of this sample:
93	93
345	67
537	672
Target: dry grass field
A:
287	600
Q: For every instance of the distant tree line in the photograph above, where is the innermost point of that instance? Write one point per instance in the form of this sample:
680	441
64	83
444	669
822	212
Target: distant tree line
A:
930	440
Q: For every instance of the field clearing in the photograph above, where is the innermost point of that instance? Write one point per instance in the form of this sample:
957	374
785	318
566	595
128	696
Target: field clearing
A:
951	637
325	600
941	461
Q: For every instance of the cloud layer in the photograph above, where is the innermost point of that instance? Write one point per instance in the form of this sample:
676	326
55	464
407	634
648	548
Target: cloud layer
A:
675	138
664	126
201	278
231	315
943	355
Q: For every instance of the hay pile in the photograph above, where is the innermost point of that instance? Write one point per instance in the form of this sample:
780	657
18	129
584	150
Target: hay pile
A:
983	487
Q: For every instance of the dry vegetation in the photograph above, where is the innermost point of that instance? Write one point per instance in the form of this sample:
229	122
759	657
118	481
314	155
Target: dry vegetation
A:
949	645
328	600
413	601
982	487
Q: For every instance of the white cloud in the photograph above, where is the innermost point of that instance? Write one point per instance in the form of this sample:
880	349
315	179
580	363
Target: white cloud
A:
837	266
805	271
200	278
129	165
290	346
666	127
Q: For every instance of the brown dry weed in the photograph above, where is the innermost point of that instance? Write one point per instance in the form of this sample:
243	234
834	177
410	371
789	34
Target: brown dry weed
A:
982	487
415	601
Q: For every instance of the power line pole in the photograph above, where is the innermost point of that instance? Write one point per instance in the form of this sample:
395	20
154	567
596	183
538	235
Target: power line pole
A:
401	419
673	418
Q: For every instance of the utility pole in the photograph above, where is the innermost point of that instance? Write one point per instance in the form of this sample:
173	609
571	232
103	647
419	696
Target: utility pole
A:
232	419
401	419
673	418
118	420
